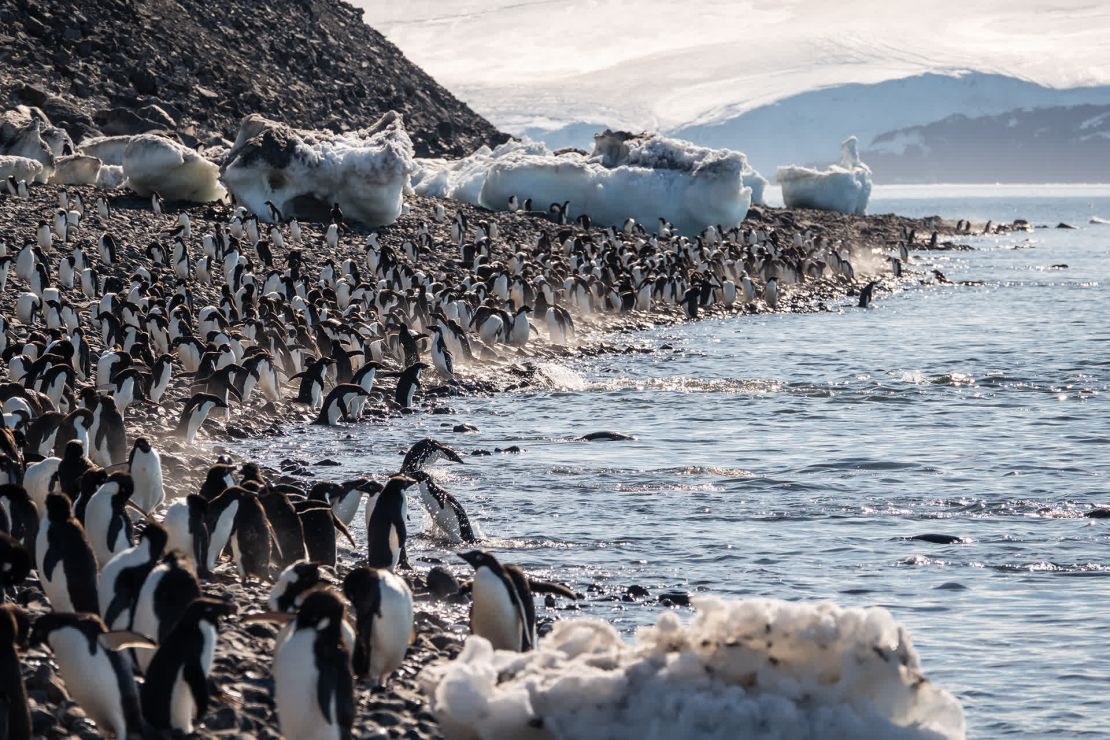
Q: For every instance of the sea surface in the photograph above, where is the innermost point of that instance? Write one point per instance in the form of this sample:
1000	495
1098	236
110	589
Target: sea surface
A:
791	456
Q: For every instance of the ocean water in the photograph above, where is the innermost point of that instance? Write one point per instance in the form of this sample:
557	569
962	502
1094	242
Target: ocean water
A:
792	455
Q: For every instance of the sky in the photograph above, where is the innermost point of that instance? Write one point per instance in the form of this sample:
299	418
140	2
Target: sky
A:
544	63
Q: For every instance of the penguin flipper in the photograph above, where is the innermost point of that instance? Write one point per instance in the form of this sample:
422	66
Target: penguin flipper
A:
466	531
547	587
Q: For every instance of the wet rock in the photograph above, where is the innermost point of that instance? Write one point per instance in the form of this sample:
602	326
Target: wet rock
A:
939	539
605	437
675	598
441	582
328	462
143	81
637	592
464	428
511	450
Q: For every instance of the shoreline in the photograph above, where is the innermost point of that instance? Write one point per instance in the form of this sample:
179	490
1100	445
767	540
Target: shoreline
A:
244	653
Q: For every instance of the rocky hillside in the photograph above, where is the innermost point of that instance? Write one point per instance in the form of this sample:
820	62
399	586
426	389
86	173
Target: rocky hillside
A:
196	67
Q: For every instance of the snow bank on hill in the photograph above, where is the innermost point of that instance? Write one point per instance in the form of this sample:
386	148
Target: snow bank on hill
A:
305	172
642	176
153	164
756	668
845	187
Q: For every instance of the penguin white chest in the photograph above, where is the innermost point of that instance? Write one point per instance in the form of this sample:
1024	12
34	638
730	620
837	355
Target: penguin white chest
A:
90	680
296	678
493	614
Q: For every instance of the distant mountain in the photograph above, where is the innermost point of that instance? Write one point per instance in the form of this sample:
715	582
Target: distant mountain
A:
807	128
1058	144
195	67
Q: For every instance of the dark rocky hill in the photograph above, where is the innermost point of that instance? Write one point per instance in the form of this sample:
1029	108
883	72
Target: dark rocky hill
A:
197	66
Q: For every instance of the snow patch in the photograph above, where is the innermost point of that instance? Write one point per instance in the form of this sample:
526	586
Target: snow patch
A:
21	168
305	172
76	169
642	176
756	668
845	187
153	164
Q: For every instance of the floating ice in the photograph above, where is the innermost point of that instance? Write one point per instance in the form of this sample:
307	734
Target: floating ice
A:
154	164
757	668
21	168
304	172
845	187
643	176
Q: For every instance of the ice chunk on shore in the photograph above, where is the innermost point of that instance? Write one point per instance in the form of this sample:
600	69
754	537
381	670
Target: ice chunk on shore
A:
756	668
108	149
76	169
153	164
643	176
845	187
305	172
26	132
21	168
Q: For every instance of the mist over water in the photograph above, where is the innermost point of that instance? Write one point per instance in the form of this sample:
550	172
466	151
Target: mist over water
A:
791	455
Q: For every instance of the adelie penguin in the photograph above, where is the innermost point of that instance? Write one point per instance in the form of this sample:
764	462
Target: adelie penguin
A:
187	530
67	565
175	691
382	603
866	293
408	383
167	591
426	452
194	414
503	610
319	525
121	580
313	686
344	402
145	466
107	524
311	390
385	526
15	714
444	510
97	677
293	585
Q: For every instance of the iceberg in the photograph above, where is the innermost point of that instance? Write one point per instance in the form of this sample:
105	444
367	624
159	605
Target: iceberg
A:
304	173
752	668
639	176
845	187
154	164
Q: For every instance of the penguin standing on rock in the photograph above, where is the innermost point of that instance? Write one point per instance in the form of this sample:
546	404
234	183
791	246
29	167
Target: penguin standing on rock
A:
175	691
313	686
145	466
293	585
122	578
408	383
343	403
67	564
382	604
106	521
97	677
195	412
385	526
504	611
187	530
167	591
311	390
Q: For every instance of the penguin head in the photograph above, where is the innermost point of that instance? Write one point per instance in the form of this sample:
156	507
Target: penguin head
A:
322	609
58	507
479	559
143	445
155	534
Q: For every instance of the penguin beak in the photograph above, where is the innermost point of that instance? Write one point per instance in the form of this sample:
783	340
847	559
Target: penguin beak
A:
473	557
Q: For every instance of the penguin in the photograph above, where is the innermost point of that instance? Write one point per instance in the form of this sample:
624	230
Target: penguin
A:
503	610
444	509
122	578
385	526
168	590
408	383
251	536
319	524
195	412
294	584
287	527
145	467
382	603
771	293
107	525
15	714
175	691
187	530
866	293
74	464
345	502
426	452
343	403
442	358
97	677
311	390
108	445
313	686
66	560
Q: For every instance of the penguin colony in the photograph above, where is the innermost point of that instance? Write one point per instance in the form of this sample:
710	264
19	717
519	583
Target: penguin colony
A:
117	352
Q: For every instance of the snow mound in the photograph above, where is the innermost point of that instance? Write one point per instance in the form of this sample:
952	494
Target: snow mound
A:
642	176
845	187
21	168
305	172
76	169
756	668
153	164
110	177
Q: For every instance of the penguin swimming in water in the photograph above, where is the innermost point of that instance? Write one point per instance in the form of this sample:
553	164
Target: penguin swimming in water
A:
97	677
426	452
343	403
382	603
408	383
66	561
15	714
145	466
444	510
195	412
313	686
503	610
385	526
175	691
